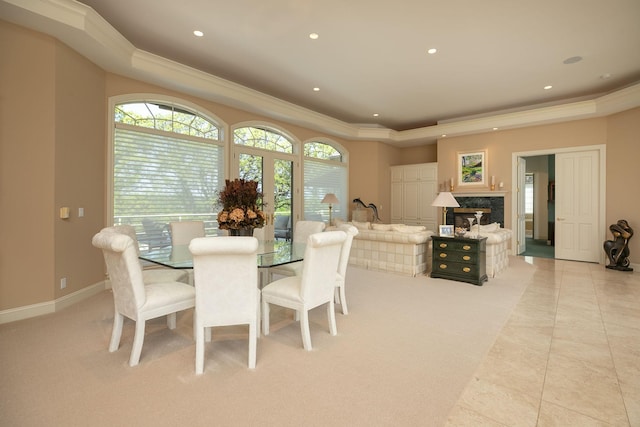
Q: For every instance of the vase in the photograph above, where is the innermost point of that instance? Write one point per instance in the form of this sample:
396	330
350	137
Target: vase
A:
246	231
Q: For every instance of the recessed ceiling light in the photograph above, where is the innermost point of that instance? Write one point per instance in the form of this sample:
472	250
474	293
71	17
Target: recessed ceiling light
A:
495	128
316	89
432	51
444	135
313	36
572	60
198	33
605	76
547	87
376	114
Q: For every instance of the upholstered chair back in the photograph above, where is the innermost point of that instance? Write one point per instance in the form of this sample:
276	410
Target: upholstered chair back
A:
320	266
124	270
351	232
182	232
226	279
303	229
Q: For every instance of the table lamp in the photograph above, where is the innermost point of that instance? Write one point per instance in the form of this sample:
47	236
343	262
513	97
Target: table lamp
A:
331	199
445	200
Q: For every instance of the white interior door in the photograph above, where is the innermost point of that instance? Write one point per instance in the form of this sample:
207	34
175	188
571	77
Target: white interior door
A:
577	206
520	218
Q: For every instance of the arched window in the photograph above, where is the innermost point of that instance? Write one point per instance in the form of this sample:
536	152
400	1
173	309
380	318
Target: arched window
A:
265	139
168	165
325	171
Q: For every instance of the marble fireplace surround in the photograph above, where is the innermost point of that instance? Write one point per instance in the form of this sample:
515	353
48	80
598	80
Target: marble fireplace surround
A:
491	200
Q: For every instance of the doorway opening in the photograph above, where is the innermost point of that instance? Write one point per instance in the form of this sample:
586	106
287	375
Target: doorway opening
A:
573	192
539	207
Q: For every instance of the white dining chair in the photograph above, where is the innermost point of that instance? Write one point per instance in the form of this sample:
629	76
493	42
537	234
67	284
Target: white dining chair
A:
153	275
301	232
131	297
226	282
341	297
182	232
258	233
314	287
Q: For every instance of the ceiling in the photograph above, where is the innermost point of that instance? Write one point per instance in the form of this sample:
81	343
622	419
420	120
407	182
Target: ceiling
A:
493	56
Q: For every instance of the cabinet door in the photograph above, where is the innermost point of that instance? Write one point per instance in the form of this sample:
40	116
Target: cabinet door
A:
410	173
396	202
428	172
396	173
410	201
428	214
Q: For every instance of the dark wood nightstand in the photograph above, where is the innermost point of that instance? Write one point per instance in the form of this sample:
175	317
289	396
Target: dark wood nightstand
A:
460	258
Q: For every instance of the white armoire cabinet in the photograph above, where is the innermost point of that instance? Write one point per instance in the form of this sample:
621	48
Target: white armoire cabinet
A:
413	189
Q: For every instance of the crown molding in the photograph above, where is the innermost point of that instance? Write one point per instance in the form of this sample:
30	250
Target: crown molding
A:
81	28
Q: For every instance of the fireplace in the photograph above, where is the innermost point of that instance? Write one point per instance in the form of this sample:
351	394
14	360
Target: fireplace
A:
461	216
491	206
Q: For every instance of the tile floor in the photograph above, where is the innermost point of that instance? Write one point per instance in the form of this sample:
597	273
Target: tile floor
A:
569	355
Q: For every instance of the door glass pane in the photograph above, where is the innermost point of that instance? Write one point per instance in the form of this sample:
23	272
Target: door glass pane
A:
251	169
283	198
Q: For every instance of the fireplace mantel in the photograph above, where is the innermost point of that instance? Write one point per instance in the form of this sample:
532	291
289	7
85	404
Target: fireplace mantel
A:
485	194
486	199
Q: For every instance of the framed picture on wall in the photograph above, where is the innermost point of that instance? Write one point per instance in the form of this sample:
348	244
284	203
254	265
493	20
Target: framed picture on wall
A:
472	168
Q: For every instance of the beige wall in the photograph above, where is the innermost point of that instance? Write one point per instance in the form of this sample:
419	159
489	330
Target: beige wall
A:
51	155
79	168
53	119
623	176
620	133
27	118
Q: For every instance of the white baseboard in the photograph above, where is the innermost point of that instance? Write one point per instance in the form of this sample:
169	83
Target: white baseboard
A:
33	310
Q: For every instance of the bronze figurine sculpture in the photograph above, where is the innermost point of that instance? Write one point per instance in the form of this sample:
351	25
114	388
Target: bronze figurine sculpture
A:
618	249
370	206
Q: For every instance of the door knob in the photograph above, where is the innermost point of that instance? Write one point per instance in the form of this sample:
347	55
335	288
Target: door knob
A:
560	219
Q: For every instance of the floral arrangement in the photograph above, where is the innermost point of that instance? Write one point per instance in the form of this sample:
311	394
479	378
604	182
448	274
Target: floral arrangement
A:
239	200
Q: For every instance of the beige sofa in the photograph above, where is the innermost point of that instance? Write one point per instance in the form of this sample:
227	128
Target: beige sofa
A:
497	246
393	248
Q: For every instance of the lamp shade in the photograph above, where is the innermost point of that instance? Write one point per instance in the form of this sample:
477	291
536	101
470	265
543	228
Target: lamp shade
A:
330	198
446	200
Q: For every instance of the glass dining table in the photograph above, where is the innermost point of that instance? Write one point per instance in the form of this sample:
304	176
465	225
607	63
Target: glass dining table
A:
271	253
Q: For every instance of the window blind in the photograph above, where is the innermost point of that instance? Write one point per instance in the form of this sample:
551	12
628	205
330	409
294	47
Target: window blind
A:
165	176
322	177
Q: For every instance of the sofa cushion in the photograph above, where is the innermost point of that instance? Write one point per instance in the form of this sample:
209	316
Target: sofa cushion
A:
361	225
381	227
401	228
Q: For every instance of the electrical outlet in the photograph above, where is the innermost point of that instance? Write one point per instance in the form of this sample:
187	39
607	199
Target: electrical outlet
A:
63	283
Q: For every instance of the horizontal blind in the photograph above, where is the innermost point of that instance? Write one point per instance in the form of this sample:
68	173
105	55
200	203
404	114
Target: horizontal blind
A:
320	178
164	176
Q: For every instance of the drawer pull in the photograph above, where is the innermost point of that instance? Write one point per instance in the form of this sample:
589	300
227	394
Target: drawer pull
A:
443	245
466	247
466	269
443	266
443	255
466	257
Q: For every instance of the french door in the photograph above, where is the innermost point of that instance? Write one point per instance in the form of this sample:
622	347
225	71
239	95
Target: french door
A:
274	173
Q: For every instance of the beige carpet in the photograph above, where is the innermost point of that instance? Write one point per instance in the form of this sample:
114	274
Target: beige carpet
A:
402	357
